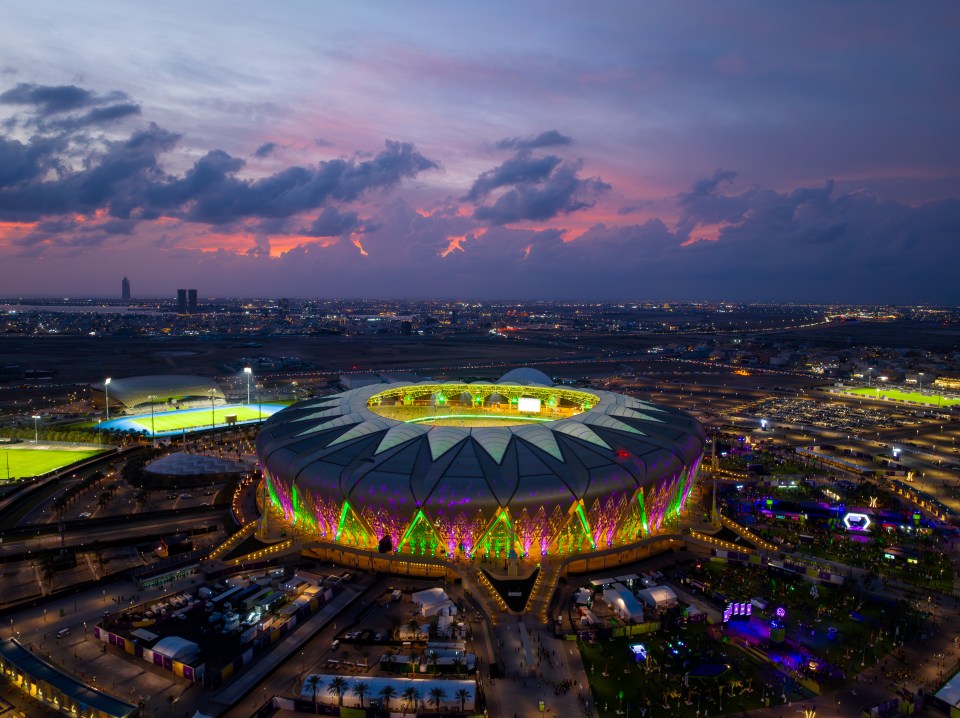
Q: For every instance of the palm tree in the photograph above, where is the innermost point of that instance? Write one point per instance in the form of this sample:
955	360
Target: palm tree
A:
457	662
360	689
390	659
463	695
387	692
414	625
313	683
433	659
437	694
337	687
409	695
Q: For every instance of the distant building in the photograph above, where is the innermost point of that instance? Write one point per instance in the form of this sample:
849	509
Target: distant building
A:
192	300
125	289
182	301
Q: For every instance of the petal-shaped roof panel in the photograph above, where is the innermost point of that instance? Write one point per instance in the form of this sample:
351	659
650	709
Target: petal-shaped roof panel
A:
493	441
579	431
369	426
400	434
444	438
540	437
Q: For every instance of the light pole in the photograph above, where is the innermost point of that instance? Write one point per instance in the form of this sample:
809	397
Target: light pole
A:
36	430
106	395
153	431
869	376
920	382
213	420
248	371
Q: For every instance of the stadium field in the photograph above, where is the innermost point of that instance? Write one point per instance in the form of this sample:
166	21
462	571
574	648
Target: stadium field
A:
912	397
167	423
26	460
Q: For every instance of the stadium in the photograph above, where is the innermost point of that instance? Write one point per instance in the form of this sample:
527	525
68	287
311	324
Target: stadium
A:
516	468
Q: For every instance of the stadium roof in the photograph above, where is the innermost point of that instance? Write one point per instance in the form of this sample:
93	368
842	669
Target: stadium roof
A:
338	444
135	391
525	375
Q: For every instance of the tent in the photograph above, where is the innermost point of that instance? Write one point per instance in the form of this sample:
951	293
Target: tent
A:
658	596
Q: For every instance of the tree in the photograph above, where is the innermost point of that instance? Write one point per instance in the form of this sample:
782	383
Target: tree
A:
409	695
437	695
337	687
360	689
387	692
313	683
463	695
457	662
414	625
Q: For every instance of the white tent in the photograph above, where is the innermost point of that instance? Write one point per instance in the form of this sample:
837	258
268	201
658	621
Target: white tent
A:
621	599
658	596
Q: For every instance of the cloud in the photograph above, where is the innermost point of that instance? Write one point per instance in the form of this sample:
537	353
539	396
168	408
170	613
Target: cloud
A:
48	100
320	142
562	192
40	177
550	138
331	222
266	149
518	169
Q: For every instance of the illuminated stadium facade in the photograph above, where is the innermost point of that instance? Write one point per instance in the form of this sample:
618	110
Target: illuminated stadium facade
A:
515	468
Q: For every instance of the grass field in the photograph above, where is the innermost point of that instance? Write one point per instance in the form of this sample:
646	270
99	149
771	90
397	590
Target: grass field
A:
899	395
173	422
25	460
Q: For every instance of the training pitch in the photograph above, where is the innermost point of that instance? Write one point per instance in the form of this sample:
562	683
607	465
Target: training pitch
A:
168	423
912	397
26	460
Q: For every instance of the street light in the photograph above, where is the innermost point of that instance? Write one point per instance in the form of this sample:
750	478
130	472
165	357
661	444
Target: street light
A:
213	420
248	371
106	393
36	430
920	383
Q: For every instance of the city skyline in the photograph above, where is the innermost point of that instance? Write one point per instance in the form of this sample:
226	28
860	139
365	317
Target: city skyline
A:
744	152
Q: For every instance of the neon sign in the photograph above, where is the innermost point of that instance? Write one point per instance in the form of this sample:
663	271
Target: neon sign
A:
856	522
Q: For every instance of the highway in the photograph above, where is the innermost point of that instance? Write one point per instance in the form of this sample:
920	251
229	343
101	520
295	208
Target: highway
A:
129	528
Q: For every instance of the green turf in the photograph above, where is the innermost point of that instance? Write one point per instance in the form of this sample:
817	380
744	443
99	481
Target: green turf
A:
174	421
911	396
25	461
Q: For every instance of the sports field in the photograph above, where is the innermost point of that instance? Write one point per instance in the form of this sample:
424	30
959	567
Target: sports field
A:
900	395
167	423
26	460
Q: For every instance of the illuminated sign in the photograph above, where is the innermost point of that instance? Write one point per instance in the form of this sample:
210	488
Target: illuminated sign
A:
737	610
528	404
856	522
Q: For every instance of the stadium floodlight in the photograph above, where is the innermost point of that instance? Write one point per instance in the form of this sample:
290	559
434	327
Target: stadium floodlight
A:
106	393
36	430
248	371
920	382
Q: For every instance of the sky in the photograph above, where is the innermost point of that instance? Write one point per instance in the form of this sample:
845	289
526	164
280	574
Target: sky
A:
751	151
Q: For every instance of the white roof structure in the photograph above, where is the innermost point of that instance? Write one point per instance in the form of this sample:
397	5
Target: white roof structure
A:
176	648
658	596
450	688
135	391
622	600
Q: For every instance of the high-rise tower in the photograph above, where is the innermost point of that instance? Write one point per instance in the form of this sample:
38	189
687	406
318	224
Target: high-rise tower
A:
125	289
192	300
182	301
